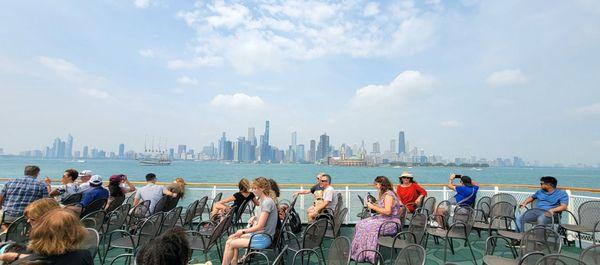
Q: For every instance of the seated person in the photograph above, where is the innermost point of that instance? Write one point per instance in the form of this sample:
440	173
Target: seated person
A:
549	198
151	192
266	224
172	247
95	192
68	186
178	187
238	198
317	191
329	198
55	239
118	186
409	192
466	194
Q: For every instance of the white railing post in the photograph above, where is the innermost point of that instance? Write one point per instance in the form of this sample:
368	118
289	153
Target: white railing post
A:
302	198
347	203
571	208
445	193
496	190
214	192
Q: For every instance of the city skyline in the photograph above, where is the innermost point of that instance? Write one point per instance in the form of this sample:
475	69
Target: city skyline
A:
460	78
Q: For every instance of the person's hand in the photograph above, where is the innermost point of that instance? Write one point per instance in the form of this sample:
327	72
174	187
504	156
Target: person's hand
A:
238	233
418	201
549	213
370	205
8	257
521	205
251	220
48	181
452	176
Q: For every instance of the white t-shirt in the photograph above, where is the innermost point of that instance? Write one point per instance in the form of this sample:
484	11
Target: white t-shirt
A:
329	195
84	186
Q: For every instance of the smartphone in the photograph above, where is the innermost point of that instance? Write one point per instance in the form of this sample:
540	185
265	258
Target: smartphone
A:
457	176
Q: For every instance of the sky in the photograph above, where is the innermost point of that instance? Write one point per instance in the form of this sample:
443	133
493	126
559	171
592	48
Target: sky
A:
461	78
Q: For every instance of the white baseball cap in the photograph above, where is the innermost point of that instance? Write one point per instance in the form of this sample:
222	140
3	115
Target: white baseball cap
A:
86	172
96	180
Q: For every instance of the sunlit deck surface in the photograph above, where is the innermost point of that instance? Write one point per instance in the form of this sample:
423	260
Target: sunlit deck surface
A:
435	253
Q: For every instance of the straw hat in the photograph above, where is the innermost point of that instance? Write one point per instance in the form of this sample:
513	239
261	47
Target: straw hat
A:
405	174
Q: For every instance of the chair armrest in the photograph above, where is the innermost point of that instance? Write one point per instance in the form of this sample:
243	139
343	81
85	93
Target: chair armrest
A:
572	215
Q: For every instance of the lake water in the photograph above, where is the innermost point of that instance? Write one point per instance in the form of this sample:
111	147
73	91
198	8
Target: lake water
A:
220	172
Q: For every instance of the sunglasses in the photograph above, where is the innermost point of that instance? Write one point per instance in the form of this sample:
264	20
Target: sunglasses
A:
323	180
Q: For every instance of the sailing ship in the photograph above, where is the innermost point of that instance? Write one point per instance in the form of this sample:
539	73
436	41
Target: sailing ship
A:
154	157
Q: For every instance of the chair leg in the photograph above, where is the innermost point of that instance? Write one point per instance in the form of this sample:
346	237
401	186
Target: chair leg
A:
579	236
323	256
451	245
445	249
471	249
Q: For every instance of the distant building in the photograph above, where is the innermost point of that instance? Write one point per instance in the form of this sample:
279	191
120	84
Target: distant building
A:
323	147
69	147
312	151
401	143
121	151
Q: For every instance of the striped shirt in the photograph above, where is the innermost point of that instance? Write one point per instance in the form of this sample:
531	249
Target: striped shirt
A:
19	193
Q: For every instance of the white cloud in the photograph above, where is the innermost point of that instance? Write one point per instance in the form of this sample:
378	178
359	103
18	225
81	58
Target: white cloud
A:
257	35
141	3
86	84
237	101
449	124
186	80
589	109
506	78
95	93
147	53
402	89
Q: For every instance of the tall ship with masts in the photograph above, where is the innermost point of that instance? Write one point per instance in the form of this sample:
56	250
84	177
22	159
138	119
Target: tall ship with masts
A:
154	157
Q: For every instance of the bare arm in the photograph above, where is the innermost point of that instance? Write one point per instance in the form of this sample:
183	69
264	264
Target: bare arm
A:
558	209
262	220
169	193
302	192
1	200
226	200
131	186
526	201
450	182
135	201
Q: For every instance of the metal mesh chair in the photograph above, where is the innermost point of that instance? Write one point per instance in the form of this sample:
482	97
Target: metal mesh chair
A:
171	219
188	214
161	204
413	235
427	207
94	220
312	238
339	251
588	221
91	241
591	255
378	257
530	214
130	198
138	214
18	231
216	199
200	209
502	215
504	197
412	254
535	243
72	199
205	244
557	259
462	224
93	206
116	219
124	259
114	203
306	252
440	215
336	225
148	230
280	259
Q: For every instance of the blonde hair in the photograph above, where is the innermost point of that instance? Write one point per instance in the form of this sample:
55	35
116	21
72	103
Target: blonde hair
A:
58	232
38	208
178	186
265	185
244	185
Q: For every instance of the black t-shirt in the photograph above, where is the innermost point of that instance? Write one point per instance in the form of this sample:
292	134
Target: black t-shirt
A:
240	199
315	188
76	257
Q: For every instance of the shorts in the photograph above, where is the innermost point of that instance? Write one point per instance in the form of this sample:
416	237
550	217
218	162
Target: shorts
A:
260	241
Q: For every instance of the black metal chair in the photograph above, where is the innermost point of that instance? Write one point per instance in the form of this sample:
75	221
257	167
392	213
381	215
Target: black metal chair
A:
558	259
124	259
93	206
205	244
529	214
74	198
504	197
200	209
280	259
171	219
414	234
412	254
94	220
535	243
18	231
312	238
188	214
138	214
148	230
502	215
591	255
460	228
306	252
91	241
339	251
379	260
336	224
214	201
427	207
114	203
588	221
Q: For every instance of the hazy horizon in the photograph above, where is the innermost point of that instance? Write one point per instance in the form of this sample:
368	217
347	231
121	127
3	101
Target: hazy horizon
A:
460	78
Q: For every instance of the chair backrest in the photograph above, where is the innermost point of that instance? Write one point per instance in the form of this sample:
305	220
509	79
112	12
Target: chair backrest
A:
18	231
418	226
463	215
114	203
293	203
502	209
540	239
412	254
126	258
339	219
314	234
216	199
221	228
171	218
116	219
591	255
589	213
557	259
72	199
161	204
200	207
172	203
237	218
428	206
306	254
504	197
339	251
94	206
339	204
484	199
91	241
189	213
94	220
149	229
139	212
444	207
280	259
362	201
130	198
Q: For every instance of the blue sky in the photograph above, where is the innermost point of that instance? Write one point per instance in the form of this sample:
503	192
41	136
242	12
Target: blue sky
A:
484	78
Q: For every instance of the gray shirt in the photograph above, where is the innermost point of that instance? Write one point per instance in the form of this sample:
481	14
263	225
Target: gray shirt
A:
150	192
329	195
268	206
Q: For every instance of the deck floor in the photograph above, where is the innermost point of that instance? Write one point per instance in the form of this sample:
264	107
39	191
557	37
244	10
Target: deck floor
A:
435	252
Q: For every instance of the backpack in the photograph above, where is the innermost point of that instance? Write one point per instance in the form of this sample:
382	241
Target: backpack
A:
295	222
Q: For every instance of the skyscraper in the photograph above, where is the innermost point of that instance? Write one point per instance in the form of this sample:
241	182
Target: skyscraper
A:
69	147
312	151
251	136
222	143
121	151
393	146
85	152
323	148
401	143
376	149
293	156
265	149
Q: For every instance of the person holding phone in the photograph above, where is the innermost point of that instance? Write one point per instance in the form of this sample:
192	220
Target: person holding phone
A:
466	194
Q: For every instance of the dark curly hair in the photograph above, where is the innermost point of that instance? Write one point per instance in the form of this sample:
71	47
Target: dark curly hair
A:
385	184
172	247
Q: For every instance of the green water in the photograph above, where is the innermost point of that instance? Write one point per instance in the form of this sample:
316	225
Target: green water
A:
193	171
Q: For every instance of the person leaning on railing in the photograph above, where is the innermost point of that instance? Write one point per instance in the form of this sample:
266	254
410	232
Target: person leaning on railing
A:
317	192
409	192
548	198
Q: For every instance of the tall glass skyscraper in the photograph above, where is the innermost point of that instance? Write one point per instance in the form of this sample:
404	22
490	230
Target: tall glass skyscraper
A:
401	143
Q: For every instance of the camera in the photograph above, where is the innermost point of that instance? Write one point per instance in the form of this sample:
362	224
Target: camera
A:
457	176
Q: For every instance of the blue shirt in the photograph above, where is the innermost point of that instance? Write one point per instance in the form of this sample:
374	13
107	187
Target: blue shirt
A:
466	195
21	192
93	194
548	201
